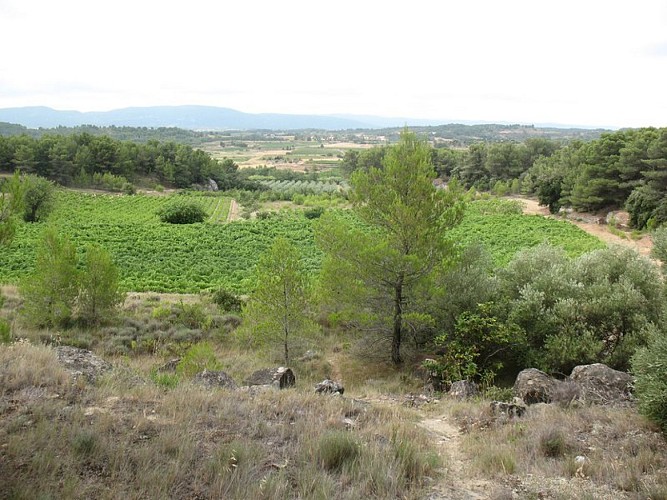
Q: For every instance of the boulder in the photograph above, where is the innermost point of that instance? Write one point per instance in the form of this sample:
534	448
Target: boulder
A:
329	387
215	379
463	389
600	384
81	362
534	386
280	378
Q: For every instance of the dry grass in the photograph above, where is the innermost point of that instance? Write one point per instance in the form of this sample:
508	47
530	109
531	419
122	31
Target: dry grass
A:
128	438
602	448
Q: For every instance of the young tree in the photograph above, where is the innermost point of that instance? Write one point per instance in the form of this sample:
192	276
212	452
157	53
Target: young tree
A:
278	308
50	292
405	218
11	203
38	198
99	290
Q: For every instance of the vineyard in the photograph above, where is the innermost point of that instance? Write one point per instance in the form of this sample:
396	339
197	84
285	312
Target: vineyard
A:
305	187
154	256
504	235
74	208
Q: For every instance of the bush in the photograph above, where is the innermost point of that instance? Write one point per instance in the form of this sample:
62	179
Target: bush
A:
649	365
226	300
182	212
198	358
314	213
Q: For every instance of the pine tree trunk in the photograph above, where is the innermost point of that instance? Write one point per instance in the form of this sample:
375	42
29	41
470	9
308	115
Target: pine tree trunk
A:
398	323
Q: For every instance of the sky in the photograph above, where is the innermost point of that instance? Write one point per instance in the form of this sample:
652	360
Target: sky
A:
584	62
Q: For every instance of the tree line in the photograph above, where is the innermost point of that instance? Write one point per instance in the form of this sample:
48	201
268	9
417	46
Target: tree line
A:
77	159
626	169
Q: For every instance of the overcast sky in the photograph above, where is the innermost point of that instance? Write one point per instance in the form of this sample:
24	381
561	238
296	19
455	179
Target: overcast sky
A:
583	62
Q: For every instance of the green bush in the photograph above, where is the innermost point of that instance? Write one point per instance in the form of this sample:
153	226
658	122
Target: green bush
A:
313	213
226	300
649	365
198	358
182	212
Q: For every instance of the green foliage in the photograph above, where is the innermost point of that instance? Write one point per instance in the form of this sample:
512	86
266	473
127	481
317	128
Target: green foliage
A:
182	212
88	159
163	257
12	193
38	198
5	331
226	300
165	380
406	218
649	365
313	213
50	292
624	168
278	308
504	235
198	358
659	250
479	346
595	308
99	289
495	206
58	292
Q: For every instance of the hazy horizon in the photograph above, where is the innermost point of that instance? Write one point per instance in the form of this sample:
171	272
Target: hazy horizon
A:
584	64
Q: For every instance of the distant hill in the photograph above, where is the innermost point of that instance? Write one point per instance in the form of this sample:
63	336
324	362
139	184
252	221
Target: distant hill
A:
196	118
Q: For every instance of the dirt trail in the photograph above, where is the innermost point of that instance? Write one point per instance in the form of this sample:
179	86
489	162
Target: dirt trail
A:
457	481
456	485
642	245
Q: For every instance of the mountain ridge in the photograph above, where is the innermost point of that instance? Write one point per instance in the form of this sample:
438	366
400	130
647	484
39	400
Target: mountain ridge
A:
197	117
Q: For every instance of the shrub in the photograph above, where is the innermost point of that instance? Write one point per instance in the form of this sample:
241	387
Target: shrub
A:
182	212
313	213
226	300
198	358
650	367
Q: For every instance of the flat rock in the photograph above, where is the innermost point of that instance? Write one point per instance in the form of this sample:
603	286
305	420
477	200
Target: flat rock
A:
81	362
215	379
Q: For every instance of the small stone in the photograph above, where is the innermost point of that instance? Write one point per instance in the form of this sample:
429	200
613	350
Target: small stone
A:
329	387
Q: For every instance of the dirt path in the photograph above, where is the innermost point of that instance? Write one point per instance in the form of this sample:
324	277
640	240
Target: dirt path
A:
642	245
456	485
233	211
458	481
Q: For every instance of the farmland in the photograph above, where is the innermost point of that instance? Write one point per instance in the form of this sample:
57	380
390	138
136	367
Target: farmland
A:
153	256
